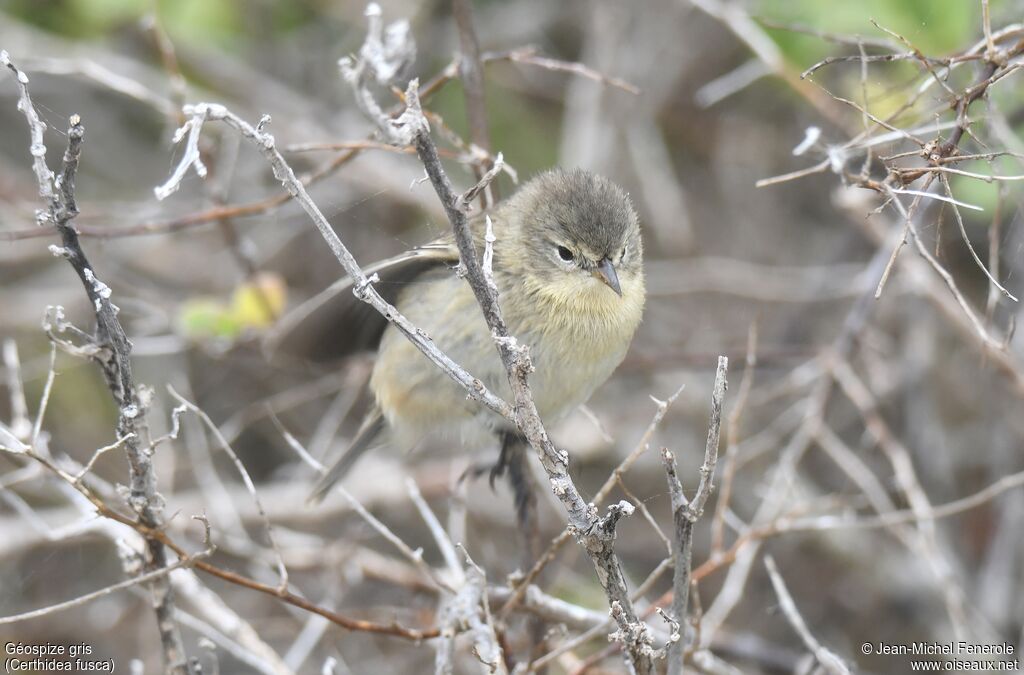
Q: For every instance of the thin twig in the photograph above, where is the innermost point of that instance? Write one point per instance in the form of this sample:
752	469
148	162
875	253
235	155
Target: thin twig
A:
685	513
441	538
528	55
662	408
828	660
732	435
44	400
967	239
472	76
282	571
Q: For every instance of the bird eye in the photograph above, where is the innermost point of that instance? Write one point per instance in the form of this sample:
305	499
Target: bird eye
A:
565	254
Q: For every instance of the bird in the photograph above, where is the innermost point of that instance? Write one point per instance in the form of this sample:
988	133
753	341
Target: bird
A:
568	267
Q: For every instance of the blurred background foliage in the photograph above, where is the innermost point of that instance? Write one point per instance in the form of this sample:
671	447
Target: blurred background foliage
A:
935	26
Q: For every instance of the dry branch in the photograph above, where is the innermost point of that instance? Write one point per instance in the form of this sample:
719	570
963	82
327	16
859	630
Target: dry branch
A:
685	513
111	350
828	660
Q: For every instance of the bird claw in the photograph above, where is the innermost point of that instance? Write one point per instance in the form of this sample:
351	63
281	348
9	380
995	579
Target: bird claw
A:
494	470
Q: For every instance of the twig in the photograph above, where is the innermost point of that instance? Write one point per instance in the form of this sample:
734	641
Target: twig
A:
732	435
99	452
444	543
282	571
874	58
44	400
472	76
556	544
37	129
986	23
941	198
662	408
907	516
169	59
988	178
528	55
908	215
414	556
21	425
731	83
294	444
967	240
987	339
469	610
820	167
497	166
695	508
686	512
828	660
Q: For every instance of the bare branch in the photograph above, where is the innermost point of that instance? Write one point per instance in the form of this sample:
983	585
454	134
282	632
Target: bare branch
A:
549	555
485	181
472	76
37	128
967	240
111	350
528	55
686	513
444	543
828	660
246	480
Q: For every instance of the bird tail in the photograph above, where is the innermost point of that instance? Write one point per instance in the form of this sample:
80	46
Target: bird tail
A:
364	440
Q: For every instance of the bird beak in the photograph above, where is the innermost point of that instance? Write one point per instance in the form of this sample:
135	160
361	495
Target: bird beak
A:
606	272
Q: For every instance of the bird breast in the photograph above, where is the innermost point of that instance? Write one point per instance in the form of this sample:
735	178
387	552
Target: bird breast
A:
578	331
576	338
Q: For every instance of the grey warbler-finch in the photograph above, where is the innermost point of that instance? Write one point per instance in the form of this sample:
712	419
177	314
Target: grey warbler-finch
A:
568	265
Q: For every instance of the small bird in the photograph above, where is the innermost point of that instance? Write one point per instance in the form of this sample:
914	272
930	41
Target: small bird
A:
568	265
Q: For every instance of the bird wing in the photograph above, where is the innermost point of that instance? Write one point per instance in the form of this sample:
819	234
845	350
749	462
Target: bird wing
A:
334	323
